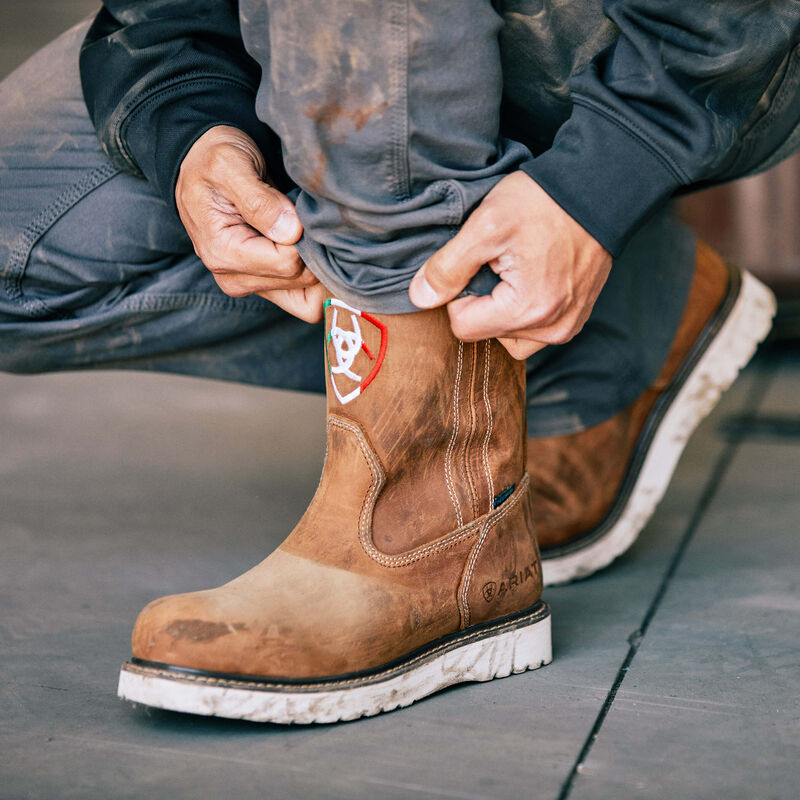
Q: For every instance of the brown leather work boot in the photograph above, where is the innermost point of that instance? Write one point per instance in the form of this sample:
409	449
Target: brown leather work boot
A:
595	490
414	567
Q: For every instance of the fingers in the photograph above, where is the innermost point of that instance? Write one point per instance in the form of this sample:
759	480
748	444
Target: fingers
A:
224	170
521	348
264	208
485	317
551	270
305	303
499	316
237	284
237	249
242	229
445	274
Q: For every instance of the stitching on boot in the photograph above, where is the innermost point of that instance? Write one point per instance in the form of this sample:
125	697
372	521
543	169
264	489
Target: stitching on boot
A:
489	421
448	466
540	611
466	582
378	479
473	423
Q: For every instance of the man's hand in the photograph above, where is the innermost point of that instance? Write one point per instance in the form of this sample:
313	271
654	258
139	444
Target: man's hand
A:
242	228
551	270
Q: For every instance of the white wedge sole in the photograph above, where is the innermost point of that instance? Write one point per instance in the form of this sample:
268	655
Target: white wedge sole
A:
495	650
727	347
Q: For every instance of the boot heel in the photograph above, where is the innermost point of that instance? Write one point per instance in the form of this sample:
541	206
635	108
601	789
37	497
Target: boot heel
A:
516	646
531	647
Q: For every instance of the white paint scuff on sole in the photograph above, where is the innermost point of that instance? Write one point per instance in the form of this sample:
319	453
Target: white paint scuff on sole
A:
510	651
748	323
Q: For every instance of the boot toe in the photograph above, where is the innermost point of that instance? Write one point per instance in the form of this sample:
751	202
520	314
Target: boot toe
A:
187	630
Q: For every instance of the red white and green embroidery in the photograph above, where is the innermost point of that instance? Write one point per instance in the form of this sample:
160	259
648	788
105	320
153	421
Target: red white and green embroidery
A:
347	344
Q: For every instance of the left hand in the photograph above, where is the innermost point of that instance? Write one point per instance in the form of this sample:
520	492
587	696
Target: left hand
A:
551	270
242	228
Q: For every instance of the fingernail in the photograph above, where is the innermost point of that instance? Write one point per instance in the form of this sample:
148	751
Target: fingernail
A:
285	228
423	294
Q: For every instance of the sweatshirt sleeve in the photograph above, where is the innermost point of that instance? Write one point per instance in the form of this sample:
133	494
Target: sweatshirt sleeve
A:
664	107
157	75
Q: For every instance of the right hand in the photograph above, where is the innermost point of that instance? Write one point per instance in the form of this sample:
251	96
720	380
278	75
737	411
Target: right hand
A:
243	229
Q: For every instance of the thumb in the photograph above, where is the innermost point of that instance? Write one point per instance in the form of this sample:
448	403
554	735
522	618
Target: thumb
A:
266	209
447	272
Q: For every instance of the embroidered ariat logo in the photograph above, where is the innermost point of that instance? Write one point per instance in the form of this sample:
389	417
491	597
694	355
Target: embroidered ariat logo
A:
493	590
347	344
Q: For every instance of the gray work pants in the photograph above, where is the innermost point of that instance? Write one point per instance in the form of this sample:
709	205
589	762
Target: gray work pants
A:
98	272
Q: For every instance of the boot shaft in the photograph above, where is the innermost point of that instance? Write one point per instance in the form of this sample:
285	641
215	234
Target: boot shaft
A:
446	419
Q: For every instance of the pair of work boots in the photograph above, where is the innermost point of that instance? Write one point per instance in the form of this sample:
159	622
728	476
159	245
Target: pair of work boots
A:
416	565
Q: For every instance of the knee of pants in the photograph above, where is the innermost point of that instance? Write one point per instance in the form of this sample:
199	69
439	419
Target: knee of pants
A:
387	155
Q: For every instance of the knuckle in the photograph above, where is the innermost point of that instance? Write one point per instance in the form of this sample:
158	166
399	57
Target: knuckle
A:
489	223
560	334
308	278
224	155
231	286
288	268
261	206
576	328
210	257
540	316
461	329
214	266
561	337
513	314
517	317
217	160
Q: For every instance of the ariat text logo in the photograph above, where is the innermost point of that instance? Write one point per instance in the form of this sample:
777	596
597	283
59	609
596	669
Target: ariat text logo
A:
493	589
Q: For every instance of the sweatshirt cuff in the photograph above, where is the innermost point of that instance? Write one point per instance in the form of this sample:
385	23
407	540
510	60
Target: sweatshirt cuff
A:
604	176
175	126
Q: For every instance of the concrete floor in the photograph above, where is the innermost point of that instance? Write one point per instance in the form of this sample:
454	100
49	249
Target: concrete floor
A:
676	671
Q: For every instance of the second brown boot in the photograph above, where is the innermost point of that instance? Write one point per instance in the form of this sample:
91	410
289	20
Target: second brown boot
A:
595	490
415	566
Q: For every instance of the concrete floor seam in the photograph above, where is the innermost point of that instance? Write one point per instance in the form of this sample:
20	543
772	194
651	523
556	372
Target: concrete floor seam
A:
757	393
